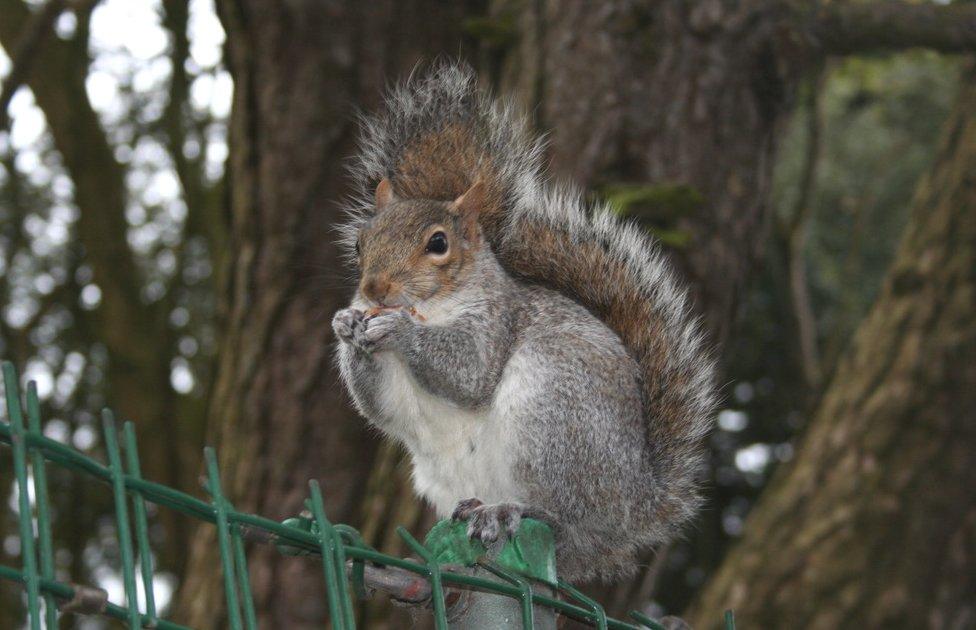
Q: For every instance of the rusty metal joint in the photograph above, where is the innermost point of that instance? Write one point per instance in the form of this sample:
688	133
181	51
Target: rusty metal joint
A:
88	600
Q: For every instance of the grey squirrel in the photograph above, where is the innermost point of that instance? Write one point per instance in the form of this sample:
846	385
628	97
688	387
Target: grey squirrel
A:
535	356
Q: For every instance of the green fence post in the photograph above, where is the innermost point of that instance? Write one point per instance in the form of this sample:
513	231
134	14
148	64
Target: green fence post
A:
122	519
433	573
142	526
19	443
333	560
530	553
223	538
46	547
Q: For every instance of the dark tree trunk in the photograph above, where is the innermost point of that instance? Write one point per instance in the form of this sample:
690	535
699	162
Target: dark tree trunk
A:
874	523
280	417
684	96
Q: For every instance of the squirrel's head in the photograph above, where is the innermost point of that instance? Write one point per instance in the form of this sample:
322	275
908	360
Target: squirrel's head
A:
414	250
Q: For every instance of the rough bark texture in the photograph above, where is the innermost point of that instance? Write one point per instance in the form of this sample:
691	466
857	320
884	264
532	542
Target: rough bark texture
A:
671	93
676	93
279	413
874	524
844	28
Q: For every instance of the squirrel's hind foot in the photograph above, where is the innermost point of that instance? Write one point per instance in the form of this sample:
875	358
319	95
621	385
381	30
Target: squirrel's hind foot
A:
465	508
488	523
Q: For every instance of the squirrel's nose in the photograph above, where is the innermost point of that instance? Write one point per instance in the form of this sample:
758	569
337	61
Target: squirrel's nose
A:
376	288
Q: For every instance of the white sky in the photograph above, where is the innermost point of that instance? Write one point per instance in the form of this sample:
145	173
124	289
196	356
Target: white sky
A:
129	44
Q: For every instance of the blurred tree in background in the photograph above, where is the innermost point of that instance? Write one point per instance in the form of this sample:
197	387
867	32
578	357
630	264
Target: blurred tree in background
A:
107	275
776	168
877	516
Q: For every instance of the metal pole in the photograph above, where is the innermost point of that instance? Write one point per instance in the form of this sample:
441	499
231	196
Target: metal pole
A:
527	562
476	610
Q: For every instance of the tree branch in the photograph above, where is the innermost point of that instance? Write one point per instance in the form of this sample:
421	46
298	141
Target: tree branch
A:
99	185
23	54
852	28
136	334
175	16
796	233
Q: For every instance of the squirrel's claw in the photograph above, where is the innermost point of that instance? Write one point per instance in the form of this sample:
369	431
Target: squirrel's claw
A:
349	325
465	508
346	322
488	523
382	326
366	333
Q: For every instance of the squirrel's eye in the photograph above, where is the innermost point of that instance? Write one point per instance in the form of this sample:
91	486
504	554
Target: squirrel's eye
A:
437	244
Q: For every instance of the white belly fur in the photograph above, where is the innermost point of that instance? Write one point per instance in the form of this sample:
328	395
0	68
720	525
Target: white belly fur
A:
439	436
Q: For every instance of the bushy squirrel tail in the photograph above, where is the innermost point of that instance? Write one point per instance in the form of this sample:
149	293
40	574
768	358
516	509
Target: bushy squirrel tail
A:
439	135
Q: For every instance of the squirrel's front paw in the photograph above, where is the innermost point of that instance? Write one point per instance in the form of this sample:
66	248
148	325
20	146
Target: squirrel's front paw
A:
349	326
367	334
488	523
381	330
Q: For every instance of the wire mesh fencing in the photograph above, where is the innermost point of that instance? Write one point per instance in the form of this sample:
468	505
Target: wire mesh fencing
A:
350	567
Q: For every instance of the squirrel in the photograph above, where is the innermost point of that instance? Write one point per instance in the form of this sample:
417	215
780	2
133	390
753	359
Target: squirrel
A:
534	355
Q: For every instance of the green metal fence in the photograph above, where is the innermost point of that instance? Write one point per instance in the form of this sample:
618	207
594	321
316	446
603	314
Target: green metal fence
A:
343	554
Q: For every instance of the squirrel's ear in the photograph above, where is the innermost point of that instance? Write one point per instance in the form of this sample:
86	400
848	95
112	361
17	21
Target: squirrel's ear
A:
472	201
384	193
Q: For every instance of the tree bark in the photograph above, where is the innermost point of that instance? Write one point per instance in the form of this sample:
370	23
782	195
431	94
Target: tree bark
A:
692	94
874	524
25	52
678	95
280	416
843	28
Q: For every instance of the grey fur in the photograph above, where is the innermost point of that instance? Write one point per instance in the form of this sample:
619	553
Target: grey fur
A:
580	448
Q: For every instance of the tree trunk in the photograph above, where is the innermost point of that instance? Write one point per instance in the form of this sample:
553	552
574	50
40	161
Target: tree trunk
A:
279	413
874	524
684	96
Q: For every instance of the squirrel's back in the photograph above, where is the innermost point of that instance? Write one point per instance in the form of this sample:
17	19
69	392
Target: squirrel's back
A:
438	136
